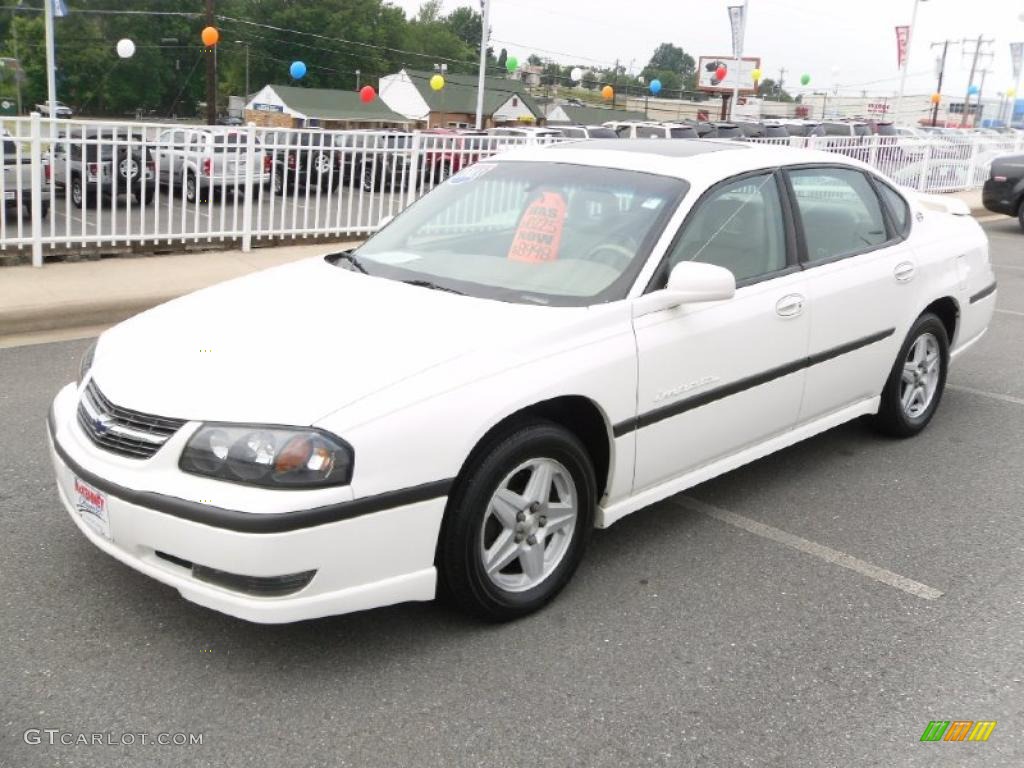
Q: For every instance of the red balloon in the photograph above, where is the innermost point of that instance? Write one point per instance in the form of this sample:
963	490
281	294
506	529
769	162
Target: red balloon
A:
367	94
720	73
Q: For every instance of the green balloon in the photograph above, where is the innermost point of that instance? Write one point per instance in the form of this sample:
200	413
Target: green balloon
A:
511	63
805	79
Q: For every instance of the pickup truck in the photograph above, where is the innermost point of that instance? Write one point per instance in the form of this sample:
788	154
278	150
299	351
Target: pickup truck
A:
61	109
16	183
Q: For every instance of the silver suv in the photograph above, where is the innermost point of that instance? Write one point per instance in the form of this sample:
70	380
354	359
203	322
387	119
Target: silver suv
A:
95	165
207	161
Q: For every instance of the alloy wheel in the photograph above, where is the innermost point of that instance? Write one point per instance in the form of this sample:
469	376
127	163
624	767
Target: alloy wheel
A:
528	524
920	378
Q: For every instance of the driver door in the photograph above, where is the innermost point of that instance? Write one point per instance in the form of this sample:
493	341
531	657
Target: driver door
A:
716	378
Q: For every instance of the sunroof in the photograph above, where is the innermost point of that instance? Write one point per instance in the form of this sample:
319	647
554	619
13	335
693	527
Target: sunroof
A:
666	147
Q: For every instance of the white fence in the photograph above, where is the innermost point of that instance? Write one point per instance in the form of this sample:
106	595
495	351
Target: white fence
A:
72	185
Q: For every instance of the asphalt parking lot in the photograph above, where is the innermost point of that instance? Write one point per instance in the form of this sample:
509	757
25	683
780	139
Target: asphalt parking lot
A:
746	623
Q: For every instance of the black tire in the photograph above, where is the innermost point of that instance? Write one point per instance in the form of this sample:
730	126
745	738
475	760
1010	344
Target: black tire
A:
75	190
277	181
1020	213
463	579
191	187
893	418
44	209
144	194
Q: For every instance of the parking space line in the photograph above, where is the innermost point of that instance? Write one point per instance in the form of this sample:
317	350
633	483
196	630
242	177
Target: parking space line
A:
806	546
1010	312
983	393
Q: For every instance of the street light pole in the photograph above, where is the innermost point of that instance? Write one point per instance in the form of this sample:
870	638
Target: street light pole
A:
906	62
51	64
243	42
484	35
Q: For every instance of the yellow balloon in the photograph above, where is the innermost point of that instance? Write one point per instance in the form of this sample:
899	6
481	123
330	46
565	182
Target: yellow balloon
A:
756	75
1011	92
437	82
607	92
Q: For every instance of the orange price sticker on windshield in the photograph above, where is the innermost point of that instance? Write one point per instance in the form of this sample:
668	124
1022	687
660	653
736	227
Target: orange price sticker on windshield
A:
540	230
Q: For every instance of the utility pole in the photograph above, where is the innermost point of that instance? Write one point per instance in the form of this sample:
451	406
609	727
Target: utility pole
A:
779	82
615	84
942	70
978	44
738	55
211	73
977	105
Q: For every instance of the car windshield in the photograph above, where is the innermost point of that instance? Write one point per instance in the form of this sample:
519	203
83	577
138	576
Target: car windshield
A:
528	232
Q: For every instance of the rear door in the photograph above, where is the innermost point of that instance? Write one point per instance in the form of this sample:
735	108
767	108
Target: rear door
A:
860	282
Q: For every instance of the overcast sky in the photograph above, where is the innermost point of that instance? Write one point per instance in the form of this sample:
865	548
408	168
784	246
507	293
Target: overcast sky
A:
854	38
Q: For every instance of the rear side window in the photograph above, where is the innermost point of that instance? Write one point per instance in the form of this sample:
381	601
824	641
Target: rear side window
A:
836	129
839	210
682	133
861	130
603	133
898	208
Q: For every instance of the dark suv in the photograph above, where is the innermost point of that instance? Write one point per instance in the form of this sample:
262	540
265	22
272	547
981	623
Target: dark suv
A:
1004	190
302	160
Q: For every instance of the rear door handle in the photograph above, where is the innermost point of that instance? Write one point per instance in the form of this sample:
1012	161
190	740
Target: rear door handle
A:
904	271
790	305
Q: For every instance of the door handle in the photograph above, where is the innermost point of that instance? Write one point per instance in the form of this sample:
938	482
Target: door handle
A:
790	305
904	271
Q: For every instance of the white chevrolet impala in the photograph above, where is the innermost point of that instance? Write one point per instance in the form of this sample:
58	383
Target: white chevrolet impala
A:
547	342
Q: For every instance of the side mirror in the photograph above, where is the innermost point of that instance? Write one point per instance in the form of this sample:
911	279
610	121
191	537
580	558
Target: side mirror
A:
689	282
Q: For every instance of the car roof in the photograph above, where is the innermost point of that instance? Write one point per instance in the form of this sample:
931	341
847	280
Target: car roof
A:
699	161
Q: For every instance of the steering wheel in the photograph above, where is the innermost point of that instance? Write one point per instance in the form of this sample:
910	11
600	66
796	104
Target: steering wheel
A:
612	254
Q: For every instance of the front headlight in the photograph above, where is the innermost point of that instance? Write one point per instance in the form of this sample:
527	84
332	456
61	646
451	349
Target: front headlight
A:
271	457
86	362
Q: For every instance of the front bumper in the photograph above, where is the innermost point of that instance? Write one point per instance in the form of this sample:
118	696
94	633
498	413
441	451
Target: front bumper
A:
364	561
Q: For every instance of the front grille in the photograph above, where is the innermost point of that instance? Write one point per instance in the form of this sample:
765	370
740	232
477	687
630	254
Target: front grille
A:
121	430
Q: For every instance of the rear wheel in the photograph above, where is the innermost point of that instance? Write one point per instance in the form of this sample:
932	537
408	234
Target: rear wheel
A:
1020	213
191	187
518	523
916	382
76	191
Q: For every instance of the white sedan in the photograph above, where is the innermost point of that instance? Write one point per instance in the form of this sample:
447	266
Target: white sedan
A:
549	341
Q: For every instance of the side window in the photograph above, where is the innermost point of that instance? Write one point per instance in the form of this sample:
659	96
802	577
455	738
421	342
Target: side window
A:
836	129
841	213
738	226
623	131
898	208
649	132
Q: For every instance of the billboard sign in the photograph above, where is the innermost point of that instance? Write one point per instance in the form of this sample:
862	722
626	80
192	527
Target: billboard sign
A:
707	79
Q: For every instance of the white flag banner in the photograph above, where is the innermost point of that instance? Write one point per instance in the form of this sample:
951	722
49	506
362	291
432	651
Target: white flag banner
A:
1017	57
60	9
736	21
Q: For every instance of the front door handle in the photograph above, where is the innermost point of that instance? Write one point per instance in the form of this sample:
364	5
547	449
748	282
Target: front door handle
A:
904	271
790	305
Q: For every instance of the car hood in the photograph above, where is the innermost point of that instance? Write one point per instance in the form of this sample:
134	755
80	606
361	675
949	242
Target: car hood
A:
291	344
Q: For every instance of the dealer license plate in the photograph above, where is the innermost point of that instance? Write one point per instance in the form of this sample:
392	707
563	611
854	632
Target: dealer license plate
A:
92	508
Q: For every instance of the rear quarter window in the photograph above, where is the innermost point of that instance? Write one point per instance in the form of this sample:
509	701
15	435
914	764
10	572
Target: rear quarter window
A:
897	206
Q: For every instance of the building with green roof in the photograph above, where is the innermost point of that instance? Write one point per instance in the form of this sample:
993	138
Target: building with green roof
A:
506	101
290	106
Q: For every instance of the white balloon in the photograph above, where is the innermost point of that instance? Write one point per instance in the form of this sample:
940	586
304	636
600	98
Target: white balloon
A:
576	74
125	48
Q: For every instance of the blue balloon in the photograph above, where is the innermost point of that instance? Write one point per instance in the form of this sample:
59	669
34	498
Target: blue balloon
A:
655	86
973	90
297	70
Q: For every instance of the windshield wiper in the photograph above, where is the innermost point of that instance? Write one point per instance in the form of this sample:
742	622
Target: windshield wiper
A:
432	286
350	258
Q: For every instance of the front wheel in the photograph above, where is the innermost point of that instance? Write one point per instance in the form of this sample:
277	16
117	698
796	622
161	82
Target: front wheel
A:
916	382
1020	214
517	524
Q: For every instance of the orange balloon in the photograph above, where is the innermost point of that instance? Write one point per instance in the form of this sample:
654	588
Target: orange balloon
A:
210	36
607	92
936	98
